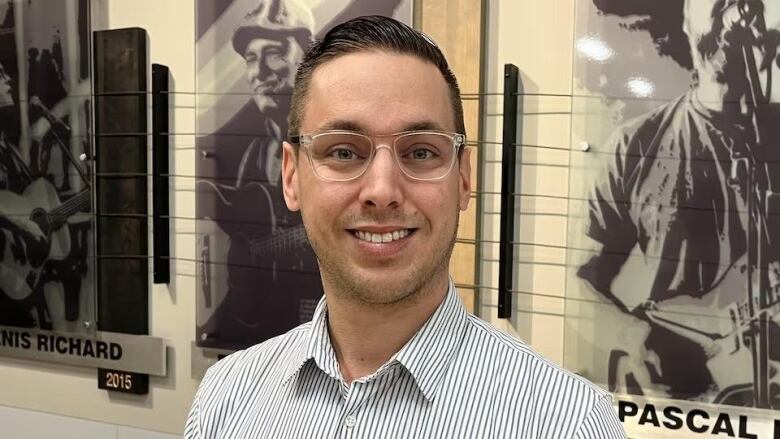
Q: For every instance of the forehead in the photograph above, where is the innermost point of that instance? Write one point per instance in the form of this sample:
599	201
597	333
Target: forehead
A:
260	44
380	92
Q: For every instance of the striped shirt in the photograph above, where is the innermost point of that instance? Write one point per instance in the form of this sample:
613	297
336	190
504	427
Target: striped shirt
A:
456	377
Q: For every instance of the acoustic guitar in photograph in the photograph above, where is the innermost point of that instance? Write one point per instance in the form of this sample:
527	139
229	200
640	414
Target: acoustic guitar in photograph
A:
259	249
39	203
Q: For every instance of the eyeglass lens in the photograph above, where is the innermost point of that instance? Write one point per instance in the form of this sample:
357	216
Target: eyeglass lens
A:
343	156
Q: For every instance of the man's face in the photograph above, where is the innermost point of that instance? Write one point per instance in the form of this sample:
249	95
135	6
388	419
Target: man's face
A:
378	93
270	69
5	88
714	33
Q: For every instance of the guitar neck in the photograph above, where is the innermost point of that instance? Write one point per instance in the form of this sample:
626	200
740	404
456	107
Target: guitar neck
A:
60	214
280	242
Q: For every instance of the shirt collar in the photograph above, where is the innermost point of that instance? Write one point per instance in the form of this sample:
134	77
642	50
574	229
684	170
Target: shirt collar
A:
426	356
316	346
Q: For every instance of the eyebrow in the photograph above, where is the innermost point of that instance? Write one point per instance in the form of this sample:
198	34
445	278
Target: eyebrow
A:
348	125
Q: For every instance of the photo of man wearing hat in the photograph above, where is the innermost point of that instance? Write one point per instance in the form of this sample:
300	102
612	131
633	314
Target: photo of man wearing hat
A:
678	200
267	278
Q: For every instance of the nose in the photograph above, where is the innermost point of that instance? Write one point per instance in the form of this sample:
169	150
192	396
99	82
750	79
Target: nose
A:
264	71
381	184
251	70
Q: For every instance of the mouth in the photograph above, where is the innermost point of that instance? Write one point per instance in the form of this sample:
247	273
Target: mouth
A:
274	86
383	237
264	86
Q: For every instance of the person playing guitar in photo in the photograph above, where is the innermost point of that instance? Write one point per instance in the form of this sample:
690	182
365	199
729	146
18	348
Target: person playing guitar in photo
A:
687	190
240	190
40	245
272	279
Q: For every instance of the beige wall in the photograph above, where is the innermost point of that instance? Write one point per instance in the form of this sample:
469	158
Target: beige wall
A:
456	27
537	37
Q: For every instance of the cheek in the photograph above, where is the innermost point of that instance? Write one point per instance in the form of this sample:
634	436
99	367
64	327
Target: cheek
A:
324	205
439	208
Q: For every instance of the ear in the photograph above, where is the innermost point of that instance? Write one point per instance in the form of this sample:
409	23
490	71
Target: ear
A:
464	187
290	177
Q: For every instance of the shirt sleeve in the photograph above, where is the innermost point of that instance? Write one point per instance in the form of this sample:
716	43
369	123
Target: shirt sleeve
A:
608	222
601	423
192	427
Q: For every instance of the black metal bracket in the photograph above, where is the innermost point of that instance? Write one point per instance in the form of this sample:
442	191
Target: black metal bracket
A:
506	264
160	185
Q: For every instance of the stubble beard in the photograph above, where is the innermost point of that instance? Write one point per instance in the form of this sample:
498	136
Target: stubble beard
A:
336	271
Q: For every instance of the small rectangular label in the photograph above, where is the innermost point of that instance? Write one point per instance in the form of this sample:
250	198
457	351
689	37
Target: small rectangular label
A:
120	381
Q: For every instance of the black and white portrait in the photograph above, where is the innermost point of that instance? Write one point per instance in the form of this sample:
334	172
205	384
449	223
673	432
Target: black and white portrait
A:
674	260
46	267
257	275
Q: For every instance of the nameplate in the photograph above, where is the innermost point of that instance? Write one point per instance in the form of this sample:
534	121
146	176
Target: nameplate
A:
105	350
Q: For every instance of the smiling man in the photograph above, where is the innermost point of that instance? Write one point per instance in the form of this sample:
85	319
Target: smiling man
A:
378	167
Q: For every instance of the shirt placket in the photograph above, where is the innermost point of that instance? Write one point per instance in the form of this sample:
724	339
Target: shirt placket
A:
356	395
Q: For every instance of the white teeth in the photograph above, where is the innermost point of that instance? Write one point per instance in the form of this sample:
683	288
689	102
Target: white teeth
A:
382	237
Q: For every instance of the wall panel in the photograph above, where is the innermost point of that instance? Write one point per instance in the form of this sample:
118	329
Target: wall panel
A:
455	25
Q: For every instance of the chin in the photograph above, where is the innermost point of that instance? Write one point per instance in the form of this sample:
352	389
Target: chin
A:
385	289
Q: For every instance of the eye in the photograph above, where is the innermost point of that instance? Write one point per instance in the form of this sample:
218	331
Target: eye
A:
343	154
421	152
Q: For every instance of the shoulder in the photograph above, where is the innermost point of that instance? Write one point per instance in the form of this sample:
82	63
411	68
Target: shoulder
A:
229	386
534	387
232	375
632	135
532	393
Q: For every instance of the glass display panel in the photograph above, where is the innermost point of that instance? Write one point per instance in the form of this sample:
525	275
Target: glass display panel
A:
46	229
257	275
672	282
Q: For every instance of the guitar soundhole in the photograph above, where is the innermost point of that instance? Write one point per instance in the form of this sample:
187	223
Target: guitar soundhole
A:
39	216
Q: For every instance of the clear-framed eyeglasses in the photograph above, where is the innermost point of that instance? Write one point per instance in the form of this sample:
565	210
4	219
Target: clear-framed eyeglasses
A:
346	155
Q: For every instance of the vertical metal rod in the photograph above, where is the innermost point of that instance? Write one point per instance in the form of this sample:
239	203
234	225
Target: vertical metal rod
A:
160	184
508	175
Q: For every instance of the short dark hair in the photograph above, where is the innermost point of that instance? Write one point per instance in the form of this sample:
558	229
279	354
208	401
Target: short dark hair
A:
662	19
368	33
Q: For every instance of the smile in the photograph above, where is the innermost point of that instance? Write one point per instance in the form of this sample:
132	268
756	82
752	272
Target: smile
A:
395	235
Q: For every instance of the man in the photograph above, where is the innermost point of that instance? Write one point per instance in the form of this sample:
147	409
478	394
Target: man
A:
391	351
17	233
27	264
677	194
243	165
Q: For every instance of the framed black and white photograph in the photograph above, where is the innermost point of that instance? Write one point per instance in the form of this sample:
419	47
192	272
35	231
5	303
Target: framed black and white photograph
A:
257	275
674	261
46	232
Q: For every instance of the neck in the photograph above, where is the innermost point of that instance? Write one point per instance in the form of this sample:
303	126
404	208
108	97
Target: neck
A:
366	335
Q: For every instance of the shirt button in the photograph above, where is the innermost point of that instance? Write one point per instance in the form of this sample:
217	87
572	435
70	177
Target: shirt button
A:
350	421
